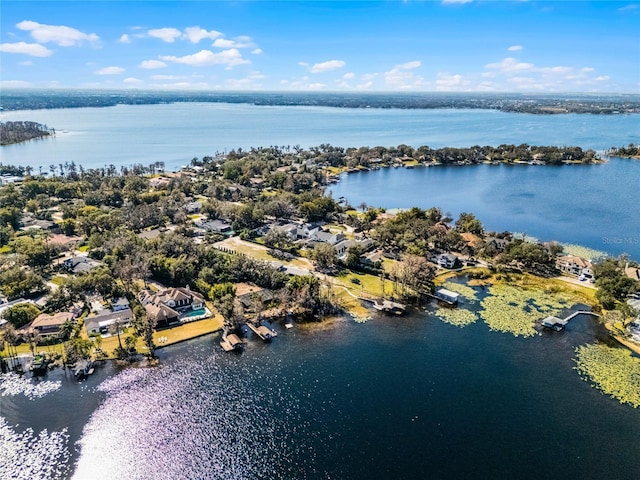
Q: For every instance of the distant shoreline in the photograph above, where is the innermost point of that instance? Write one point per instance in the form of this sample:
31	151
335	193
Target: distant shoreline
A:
15	100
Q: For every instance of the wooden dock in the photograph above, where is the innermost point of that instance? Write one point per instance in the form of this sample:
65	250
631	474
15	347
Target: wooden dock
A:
386	306
558	324
231	343
263	332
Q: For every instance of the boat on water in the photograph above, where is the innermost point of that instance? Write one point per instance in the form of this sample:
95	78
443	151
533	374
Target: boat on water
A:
83	369
40	364
388	306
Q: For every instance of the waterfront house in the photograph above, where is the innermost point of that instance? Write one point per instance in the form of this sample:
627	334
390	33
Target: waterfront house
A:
472	240
498	243
47	325
447	260
574	265
166	307
246	292
632	272
102	322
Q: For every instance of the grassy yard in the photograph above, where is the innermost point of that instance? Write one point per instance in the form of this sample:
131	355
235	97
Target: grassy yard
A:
23	349
259	252
57	280
364	284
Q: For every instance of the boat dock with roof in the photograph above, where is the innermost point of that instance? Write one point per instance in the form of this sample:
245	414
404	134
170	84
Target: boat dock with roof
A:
265	333
558	324
231	343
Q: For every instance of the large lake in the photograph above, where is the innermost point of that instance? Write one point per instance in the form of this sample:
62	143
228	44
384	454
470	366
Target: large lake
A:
595	206
592	205
175	133
406	398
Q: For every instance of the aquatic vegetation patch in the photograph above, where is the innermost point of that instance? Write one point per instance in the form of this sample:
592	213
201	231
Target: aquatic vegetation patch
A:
470	294
584	252
614	371
361	318
27	456
14	384
460	317
515	310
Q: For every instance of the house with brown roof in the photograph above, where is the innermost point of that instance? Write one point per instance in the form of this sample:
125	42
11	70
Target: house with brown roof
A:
471	239
46	325
632	272
573	265
246	292
167	306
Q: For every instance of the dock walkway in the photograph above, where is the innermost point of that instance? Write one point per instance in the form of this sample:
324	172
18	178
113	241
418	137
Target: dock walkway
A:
558	324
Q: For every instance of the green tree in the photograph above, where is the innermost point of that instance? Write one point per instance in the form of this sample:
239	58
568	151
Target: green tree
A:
467	222
21	314
324	256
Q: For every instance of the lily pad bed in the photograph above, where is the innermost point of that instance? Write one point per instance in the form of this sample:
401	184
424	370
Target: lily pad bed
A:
460	317
511	309
614	371
470	294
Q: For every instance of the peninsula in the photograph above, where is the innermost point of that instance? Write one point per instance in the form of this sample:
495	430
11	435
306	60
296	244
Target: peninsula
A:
104	263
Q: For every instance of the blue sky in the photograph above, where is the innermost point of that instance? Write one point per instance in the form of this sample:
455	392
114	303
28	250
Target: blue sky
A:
451	45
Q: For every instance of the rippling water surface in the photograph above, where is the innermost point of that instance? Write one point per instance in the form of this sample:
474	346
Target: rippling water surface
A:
408	397
175	133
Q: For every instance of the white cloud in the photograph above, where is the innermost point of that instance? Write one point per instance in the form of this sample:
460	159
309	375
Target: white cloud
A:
168	77
58	34
151	64
510	74
510	65
515	48
168	35
15	84
256	51
324	66
401	77
349	76
132	81
109	71
26	63
231	58
195	34
448	82
124	38
250	82
183	86
224	43
33	49
239	42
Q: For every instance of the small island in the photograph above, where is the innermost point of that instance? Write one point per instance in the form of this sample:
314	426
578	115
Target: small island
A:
19	132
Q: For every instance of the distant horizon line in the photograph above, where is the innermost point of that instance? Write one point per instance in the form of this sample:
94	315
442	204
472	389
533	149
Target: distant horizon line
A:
307	92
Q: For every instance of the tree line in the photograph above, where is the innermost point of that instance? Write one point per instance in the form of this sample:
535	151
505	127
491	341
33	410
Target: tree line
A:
22	131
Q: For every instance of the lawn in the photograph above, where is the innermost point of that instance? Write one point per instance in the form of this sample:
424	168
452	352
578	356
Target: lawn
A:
57	280
364	284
